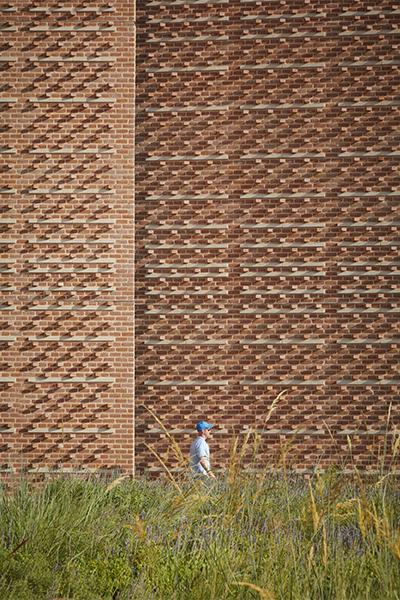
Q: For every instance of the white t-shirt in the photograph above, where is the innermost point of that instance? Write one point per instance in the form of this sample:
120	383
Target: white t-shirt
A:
199	449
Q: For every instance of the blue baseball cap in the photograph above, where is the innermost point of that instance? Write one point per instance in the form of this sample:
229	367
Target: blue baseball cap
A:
202	425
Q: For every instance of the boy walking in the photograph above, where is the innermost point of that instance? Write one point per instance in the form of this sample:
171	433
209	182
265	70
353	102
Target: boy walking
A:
200	450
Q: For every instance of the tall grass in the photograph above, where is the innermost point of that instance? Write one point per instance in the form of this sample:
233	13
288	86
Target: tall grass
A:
271	536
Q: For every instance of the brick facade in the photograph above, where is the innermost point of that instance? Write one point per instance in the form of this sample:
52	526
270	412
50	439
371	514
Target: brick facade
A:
67	243
267	217
266	230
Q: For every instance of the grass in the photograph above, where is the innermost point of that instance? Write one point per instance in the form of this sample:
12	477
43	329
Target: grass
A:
270	536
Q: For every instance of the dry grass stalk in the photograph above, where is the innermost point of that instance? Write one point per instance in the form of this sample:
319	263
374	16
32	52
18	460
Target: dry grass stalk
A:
362	521
274	405
310	559
236	459
233	461
116	482
174	444
316	518
162	463
265	594
324	546
140	528
329	430
395	446
395	546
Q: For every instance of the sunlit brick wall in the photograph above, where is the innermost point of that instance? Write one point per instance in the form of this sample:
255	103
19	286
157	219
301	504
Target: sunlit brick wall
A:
267	226
67	235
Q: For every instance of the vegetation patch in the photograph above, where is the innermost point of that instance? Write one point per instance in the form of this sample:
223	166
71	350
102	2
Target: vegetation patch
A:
271	536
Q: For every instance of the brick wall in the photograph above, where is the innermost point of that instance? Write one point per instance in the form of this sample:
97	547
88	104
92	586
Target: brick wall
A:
266	225
66	264
267	217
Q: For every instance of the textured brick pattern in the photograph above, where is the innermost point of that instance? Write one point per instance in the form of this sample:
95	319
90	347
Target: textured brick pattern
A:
67	152
267	218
